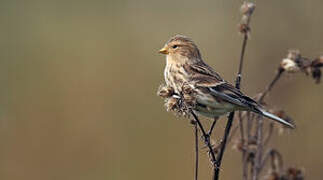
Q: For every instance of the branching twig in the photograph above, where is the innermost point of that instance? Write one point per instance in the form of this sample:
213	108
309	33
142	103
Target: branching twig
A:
269	134
273	154
271	85
247	9
223	145
207	142
244	153
212	126
258	156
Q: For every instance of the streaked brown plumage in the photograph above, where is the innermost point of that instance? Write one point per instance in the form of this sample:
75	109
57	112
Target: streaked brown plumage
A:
214	96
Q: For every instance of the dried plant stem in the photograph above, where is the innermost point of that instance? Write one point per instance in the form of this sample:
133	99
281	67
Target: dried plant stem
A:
273	154
271	85
196	150
231	115
207	142
244	153
269	134
244	45
260	141
244	164
256	166
212	126
258	156
223	145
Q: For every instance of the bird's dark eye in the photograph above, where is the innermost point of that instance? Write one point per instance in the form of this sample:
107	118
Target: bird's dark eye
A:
174	46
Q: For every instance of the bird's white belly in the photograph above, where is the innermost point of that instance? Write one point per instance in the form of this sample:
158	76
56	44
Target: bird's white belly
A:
209	107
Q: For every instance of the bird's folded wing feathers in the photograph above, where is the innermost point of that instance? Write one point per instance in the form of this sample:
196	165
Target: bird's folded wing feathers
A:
205	77
226	97
229	93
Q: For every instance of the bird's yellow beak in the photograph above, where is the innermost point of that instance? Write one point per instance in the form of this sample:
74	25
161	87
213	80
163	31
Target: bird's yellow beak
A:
163	51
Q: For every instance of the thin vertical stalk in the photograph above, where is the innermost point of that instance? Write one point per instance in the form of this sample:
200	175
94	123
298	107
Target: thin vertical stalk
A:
231	115
196	151
207	142
258	156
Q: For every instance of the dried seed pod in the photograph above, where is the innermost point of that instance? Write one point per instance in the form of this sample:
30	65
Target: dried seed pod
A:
189	95
171	104
165	91
247	8
289	65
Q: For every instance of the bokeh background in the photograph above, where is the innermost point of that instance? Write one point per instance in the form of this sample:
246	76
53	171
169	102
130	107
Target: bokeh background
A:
79	79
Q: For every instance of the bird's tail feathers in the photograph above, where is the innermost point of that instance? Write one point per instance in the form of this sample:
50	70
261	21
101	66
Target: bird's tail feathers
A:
276	118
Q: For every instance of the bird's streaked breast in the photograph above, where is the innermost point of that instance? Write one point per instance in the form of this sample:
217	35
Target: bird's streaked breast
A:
175	76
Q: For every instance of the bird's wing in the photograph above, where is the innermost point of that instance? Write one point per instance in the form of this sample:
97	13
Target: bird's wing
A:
205	77
229	93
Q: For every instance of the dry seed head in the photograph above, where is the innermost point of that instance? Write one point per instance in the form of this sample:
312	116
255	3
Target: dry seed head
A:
171	104
295	62
289	65
189	95
247	8
165	91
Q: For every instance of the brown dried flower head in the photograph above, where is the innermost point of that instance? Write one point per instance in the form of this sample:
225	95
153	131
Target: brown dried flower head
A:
171	103
295	62
289	65
247	8
180	104
291	62
165	91
189	95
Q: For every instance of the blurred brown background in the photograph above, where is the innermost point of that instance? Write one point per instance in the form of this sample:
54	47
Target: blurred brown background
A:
79	80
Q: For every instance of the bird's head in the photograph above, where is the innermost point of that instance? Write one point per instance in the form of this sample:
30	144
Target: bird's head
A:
181	48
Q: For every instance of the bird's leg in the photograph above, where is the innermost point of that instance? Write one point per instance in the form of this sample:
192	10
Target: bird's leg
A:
212	126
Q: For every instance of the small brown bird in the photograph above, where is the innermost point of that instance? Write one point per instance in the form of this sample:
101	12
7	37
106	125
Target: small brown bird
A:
214	96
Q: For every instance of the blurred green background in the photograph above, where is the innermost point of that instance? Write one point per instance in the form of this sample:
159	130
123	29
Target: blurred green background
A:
79	80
